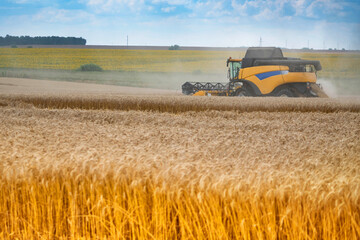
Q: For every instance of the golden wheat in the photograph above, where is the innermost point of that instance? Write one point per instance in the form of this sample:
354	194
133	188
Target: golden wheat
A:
178	168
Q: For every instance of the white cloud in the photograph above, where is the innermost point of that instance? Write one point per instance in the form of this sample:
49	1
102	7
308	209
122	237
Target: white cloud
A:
273	9
115	5
167	9
173	2
299	6
54	15
43	2
333	7
266	14
267	9
209	9
258	3
311	8
22	1
239	8
325	6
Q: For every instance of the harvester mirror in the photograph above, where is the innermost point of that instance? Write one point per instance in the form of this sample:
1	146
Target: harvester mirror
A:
227	62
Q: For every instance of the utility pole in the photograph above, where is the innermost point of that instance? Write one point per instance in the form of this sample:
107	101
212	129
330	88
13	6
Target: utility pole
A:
260	42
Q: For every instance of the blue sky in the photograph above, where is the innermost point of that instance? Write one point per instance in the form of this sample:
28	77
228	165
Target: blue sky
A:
229	23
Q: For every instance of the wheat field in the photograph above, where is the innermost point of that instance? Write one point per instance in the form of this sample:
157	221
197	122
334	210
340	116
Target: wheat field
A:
146	167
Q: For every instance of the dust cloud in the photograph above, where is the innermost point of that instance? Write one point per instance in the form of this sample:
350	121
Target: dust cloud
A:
340	87
329	87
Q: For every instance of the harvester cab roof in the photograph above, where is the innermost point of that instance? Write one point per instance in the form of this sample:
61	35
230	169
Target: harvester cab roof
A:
265	56
232	60
264	52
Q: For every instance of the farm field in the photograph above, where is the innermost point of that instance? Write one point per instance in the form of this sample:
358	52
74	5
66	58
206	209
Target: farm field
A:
80	160
158	68
175	167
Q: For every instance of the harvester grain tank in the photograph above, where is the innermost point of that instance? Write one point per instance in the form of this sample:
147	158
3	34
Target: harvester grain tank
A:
264	71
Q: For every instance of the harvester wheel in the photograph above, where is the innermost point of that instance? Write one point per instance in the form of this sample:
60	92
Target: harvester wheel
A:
241	92
285	92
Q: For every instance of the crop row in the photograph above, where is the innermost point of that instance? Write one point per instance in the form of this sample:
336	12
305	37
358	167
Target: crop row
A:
177	104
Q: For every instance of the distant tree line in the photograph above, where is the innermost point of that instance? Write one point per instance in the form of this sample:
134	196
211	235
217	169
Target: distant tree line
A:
53	40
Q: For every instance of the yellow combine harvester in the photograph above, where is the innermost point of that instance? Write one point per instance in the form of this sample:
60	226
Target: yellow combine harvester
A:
264	71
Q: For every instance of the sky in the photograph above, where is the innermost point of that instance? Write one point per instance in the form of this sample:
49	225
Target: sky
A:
318	24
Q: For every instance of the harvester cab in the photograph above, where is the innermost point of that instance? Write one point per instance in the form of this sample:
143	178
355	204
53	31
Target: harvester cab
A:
264	71
234	66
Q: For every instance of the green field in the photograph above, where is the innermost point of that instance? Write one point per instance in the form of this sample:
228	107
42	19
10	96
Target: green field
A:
158	68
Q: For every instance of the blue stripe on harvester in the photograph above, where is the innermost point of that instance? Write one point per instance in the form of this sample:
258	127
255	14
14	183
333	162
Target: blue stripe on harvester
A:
264	75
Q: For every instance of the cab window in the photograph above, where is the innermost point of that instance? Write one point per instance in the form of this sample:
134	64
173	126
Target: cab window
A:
234	69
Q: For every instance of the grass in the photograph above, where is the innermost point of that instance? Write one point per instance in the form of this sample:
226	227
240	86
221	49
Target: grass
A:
90	67
178	168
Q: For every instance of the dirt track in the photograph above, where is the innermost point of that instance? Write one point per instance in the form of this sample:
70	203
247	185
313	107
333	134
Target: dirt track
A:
32	86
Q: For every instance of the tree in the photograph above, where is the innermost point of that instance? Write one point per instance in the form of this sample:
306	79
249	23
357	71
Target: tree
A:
174	47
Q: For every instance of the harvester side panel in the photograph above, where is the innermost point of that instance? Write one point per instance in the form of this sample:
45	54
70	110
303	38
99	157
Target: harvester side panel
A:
266	78
305	77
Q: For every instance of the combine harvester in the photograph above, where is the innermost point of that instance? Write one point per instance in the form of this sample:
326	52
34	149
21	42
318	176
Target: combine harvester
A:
264	71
